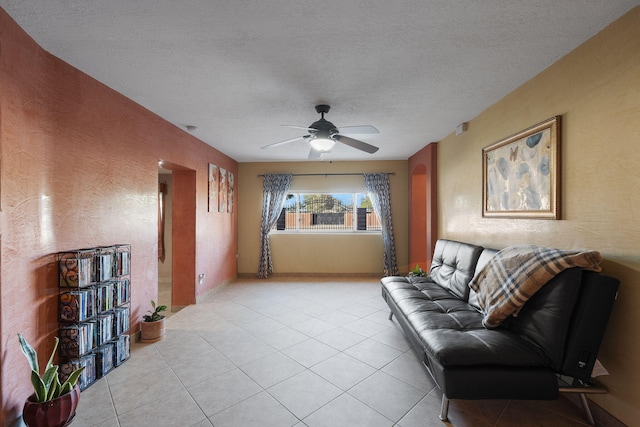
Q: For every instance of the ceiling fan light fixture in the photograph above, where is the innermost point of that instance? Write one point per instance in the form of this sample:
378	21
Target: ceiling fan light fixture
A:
323	135
322	143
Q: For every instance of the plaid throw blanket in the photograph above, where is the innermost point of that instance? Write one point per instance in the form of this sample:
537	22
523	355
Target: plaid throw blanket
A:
515	273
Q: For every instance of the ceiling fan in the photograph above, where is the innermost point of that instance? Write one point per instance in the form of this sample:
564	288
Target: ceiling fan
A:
323	135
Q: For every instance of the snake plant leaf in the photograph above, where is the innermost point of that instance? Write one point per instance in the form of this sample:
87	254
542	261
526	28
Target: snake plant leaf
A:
66	388
71	381
30	353
39	388
53	353
51	381
56	390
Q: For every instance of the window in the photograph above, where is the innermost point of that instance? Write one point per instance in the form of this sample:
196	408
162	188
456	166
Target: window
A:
334	212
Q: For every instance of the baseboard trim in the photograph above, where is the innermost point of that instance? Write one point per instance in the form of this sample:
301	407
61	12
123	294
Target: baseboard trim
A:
201	298
311	275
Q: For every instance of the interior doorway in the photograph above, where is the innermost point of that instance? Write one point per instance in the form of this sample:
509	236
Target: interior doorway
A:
165	241
418	217
179	236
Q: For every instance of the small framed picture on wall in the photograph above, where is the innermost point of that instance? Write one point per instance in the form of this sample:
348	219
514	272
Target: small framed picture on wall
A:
213	188
223	192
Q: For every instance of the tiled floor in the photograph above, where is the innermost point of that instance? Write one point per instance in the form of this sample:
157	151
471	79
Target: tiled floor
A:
290	352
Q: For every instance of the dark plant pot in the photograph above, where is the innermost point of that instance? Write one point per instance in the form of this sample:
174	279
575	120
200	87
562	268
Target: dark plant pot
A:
55	413
152	331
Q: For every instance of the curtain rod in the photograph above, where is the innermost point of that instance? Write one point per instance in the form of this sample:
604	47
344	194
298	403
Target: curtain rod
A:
331	174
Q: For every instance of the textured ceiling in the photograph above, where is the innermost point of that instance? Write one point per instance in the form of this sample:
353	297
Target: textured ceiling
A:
240	69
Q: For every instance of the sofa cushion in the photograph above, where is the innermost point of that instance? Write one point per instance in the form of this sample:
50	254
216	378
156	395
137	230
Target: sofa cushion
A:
453	266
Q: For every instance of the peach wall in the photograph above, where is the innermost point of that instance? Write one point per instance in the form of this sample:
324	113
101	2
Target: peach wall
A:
596	89
79	168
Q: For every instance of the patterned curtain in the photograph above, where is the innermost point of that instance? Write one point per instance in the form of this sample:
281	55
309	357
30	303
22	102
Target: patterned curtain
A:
377	185
275	188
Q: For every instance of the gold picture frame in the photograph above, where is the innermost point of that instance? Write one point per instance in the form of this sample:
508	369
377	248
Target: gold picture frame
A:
521	174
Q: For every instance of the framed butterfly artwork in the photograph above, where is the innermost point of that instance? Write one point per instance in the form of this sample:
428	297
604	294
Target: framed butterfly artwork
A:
521	174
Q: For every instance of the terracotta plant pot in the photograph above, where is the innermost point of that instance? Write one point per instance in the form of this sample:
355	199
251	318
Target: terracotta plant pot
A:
152	331
55	413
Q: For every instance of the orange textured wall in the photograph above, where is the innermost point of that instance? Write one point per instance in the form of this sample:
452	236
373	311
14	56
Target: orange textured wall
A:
423	201
79	168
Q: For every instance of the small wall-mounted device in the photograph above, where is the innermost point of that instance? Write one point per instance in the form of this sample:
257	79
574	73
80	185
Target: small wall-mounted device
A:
201	278
462	128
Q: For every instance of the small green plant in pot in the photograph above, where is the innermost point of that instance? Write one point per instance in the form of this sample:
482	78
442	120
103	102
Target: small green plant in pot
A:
152	326
53	403
417	272
155	314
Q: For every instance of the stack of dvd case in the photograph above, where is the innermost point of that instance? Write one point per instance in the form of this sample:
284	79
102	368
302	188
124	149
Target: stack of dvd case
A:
104	296
121	320
121	291
93	310
105	358
76	306
106	263
89	374
77	339
76	268
121	349
123	260
105	328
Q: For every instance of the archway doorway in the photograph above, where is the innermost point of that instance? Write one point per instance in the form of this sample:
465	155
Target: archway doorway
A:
182	235
418	217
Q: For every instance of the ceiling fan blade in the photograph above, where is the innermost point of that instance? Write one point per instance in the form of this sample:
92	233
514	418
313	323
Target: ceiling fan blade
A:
314	154
359	130
356	143
298	127
286	141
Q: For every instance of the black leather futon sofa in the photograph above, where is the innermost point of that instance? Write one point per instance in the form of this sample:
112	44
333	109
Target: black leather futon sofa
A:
553	341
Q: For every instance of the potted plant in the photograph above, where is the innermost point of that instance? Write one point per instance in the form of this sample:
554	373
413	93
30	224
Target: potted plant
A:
52	404
152	326
416	273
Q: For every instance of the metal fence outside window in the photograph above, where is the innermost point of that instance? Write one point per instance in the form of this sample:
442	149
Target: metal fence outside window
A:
327	212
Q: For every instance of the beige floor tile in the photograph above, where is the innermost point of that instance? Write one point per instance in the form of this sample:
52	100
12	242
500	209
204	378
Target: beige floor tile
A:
343	371
304	393
373	353
260	410
310	352
345	410
223	391
408	368
284	338
168	409
95	405
393	337
338	317
272	369
387	395
340	338
139	390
